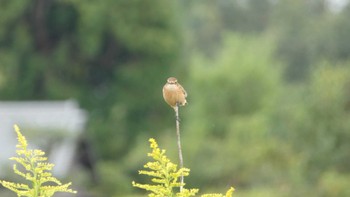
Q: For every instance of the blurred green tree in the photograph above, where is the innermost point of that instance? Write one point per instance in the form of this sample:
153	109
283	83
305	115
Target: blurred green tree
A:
112	56
228	137
316	123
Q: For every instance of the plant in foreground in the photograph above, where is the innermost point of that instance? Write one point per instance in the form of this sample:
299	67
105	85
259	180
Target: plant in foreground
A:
165	177
34	169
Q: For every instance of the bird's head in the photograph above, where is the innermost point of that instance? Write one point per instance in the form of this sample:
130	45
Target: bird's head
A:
172	80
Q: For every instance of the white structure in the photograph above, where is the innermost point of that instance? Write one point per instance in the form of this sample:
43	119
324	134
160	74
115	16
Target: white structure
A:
52	126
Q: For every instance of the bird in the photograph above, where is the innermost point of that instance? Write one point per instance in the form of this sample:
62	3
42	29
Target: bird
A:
173	93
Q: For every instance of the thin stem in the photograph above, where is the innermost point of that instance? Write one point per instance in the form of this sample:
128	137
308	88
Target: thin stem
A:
179	143
36	183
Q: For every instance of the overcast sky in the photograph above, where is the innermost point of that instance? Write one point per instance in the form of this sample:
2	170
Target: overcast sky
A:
336	5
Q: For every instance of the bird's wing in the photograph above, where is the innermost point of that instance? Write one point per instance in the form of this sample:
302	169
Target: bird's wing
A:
183	90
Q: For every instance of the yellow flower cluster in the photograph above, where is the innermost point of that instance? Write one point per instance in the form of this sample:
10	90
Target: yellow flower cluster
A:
35	170
228	194
165	177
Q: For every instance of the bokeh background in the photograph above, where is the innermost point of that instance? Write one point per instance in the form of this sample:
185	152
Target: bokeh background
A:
268	84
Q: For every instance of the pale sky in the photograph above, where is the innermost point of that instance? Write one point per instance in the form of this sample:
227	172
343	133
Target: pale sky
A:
336	5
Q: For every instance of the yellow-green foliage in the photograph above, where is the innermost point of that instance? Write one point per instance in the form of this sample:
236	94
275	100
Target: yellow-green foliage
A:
165	177
34	169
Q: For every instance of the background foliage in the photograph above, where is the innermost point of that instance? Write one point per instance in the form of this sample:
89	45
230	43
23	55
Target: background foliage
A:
268	84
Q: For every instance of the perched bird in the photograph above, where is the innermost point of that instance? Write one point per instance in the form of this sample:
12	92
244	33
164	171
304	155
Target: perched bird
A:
173	93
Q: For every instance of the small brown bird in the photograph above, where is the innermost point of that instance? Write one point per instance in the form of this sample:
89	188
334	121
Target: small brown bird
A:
174	93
